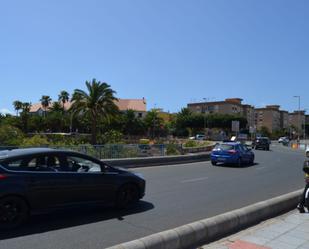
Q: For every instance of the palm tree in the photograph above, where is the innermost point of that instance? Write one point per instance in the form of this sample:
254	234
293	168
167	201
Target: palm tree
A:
26	106
63	97
17	106
98	103
45	101
56	107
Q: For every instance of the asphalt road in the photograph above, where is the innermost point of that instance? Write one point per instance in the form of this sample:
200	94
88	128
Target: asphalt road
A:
176	195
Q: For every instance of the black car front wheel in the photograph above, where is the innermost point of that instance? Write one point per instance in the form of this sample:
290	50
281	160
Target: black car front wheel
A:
13	212
127	195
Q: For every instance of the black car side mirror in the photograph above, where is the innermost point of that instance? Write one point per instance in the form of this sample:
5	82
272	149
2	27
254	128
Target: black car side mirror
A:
104	167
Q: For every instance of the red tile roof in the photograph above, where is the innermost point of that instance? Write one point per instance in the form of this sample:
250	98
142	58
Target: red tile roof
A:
123	105
134	104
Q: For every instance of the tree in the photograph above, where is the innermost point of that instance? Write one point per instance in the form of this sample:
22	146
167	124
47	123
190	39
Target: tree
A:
10	135
131	124
183	122
98	103
56	107
17	106
153	122
265	131
56	119
26	106
63	97
45	101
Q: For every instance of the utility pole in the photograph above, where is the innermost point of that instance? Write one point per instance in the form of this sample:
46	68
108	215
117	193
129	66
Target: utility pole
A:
299	122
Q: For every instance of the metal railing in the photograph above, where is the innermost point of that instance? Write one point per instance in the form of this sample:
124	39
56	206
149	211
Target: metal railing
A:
109	151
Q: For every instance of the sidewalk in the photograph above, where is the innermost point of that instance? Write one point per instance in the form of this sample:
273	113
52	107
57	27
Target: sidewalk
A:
289	231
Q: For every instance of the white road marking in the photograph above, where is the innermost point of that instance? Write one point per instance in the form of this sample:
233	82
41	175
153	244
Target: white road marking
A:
195	180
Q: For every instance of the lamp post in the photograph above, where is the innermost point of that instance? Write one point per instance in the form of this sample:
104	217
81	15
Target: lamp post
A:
299	123
304	125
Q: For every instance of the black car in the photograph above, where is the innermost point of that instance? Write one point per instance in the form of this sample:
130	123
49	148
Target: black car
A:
36	180
261	143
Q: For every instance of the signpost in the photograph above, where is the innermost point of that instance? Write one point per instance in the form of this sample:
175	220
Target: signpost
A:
235	126
252	131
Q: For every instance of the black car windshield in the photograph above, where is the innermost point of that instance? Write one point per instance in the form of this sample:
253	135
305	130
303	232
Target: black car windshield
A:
225	147
262	139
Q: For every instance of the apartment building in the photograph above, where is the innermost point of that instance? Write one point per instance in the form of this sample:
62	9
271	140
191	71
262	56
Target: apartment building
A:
269	117
284	120
297	120
249	113
228	106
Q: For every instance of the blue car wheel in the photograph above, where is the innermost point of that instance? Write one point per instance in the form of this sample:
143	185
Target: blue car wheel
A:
239	162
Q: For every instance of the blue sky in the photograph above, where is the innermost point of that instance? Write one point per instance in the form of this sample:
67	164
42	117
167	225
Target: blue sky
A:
169	51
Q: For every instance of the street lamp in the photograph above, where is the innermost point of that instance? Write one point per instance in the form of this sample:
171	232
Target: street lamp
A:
304	125
299	123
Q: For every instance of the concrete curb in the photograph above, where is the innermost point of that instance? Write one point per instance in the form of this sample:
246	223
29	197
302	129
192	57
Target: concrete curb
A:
153	161
204	231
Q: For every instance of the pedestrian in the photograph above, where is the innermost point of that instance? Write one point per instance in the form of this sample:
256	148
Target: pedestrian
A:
302	204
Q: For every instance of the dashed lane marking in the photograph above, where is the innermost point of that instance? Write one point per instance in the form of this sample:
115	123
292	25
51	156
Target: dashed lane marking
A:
194	179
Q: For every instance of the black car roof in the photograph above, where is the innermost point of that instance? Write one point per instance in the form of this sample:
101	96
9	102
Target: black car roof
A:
26	152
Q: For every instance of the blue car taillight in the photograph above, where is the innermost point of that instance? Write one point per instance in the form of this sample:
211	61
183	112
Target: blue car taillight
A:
232	152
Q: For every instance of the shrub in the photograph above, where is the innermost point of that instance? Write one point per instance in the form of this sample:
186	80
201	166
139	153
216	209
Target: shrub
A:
36	140
10	135
144	141
110	137
191	143
172	149
206	143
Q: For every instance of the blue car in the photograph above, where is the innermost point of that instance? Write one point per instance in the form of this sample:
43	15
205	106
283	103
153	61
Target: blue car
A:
232	153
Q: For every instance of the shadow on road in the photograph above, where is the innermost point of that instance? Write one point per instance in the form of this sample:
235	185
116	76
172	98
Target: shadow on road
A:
235	166
72	217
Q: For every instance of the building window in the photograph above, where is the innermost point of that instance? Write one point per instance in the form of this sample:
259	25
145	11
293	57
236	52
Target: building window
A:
211	108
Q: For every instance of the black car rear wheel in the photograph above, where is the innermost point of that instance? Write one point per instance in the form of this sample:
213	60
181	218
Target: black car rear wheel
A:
13	212
127	196
213	163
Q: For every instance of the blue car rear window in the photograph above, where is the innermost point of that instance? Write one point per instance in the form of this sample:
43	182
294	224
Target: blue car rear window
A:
225	147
